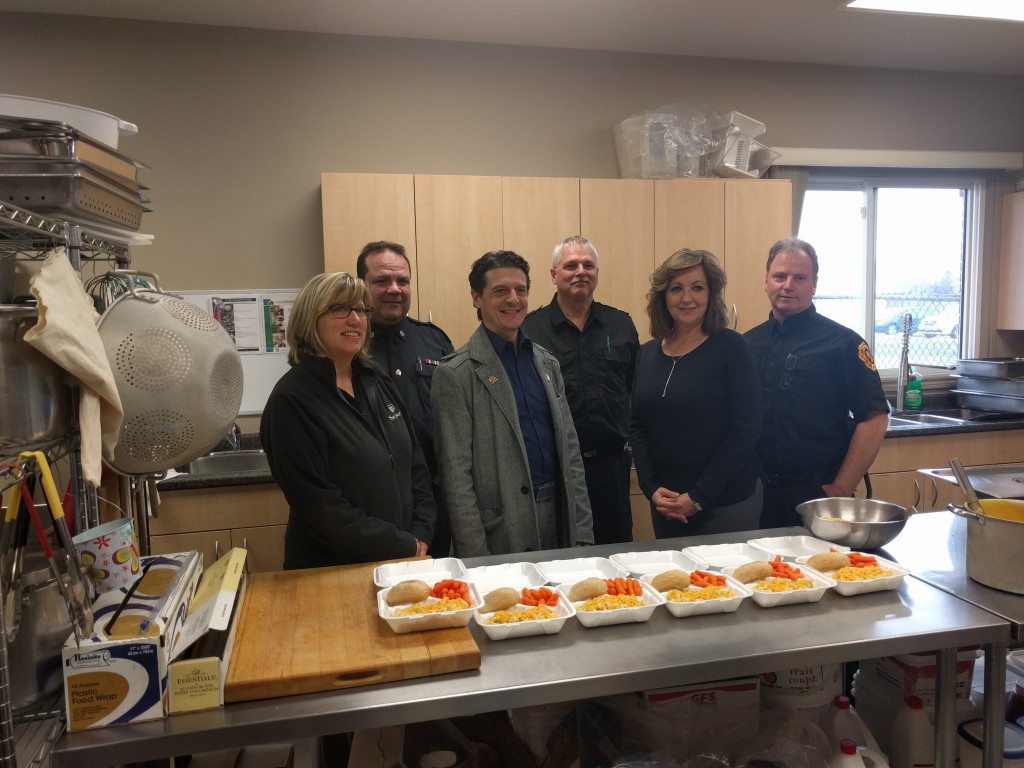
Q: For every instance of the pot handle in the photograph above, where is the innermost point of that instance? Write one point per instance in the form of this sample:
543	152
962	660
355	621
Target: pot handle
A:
956	509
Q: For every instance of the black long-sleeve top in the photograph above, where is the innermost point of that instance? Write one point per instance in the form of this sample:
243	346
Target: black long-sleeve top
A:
698	434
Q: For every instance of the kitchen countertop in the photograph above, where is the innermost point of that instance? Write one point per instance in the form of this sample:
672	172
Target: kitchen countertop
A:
181	482
581	663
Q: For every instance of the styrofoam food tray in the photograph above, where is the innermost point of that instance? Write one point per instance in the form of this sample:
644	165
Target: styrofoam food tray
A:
792	547
429	570
724	555
563	610
639	563
514	575
446	620
878	584
820	583
652	599
718	605
579	568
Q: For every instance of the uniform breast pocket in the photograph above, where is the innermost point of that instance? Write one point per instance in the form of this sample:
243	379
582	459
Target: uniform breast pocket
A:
425	368
806	372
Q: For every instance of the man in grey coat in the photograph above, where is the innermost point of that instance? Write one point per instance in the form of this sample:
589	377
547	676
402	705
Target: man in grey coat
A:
507	449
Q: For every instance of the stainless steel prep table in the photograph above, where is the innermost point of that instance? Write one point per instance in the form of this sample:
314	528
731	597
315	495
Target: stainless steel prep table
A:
581	663
933	545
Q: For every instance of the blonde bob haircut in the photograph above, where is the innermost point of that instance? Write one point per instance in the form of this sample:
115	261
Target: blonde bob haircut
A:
315	298
715	318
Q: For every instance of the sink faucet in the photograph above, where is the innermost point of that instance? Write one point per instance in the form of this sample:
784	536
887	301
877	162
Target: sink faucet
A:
903	372
234	437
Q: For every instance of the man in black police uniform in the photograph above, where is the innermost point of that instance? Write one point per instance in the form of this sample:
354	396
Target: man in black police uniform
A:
596	346
409	350
825	413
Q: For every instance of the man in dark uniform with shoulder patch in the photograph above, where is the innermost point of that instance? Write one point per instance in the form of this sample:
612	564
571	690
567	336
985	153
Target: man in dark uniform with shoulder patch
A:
825	414
409	350
596	346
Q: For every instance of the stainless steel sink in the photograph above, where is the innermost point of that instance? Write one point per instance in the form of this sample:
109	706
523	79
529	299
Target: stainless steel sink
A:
1001	481
227	462
948	417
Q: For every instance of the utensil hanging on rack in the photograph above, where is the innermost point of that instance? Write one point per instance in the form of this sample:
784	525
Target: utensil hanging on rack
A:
70	571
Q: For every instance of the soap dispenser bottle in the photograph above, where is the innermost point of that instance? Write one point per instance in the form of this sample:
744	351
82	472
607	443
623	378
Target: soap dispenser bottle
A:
913	396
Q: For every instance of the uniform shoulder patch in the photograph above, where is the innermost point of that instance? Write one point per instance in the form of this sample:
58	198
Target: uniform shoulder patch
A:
864	353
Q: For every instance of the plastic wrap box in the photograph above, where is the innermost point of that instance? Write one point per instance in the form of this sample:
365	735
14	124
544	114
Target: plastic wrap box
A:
914	675
121	677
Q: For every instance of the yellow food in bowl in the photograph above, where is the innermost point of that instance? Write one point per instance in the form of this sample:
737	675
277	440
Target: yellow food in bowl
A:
1004	509
783	585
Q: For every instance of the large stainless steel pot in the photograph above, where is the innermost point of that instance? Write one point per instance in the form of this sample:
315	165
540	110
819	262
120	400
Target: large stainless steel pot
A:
34	400
994	547
34	654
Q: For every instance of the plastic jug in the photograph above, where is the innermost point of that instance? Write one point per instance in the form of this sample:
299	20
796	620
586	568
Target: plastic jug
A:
913	736
849	755
841	721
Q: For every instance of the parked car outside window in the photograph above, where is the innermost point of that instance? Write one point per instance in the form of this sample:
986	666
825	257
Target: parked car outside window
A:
945	323
892	321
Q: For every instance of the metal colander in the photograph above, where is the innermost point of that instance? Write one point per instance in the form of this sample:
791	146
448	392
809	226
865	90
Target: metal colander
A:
178	374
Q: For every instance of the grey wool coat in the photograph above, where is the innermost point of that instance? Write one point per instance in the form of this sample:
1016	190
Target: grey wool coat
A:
482	459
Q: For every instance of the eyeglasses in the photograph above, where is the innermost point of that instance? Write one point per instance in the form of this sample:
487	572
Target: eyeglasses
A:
341	312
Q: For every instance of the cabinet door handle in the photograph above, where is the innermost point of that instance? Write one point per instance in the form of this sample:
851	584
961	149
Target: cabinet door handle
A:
935	494
245	543
917	493
216	550
735	316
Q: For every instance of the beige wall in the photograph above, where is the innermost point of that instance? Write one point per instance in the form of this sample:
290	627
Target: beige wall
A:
238	124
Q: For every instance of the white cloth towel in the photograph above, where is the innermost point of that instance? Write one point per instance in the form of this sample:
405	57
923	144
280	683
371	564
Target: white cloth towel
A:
67	334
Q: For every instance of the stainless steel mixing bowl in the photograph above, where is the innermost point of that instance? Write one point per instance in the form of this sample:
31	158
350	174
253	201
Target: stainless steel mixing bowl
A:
855	523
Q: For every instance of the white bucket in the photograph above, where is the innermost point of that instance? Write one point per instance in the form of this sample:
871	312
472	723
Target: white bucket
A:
809	690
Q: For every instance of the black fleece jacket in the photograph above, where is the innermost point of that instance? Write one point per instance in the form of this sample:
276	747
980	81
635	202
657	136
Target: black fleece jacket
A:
357	487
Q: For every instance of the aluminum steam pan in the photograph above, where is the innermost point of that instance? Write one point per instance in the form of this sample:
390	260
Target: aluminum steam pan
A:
16	165
993	367
988	402
55	193
985	385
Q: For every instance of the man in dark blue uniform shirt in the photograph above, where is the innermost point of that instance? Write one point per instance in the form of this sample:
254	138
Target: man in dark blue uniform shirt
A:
409	350
596	347
825	413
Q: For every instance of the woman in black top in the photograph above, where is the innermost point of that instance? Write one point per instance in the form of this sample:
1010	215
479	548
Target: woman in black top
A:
696	407
338	439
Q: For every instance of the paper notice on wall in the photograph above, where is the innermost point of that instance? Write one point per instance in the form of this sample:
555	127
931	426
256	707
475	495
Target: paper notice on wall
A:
275	324
240	316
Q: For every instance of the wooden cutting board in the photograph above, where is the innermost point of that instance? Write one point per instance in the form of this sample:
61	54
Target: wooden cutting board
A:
318	630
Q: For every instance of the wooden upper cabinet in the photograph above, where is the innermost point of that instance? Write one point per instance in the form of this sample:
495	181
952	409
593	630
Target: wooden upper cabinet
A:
617	216
458	220
1010	309
757	213
359	208
688	213
537	213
